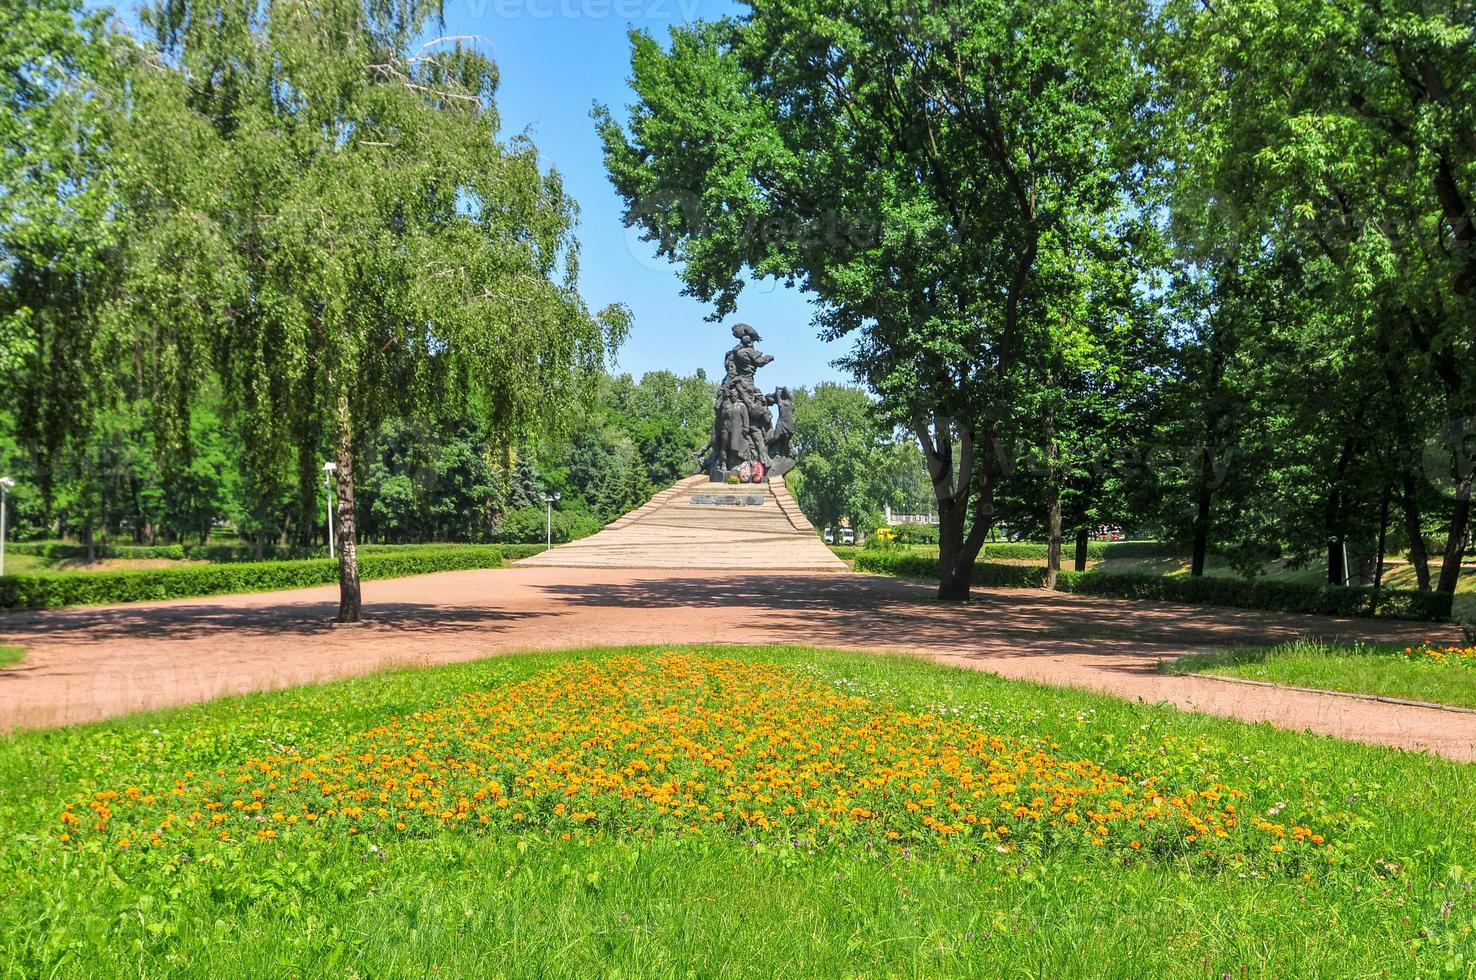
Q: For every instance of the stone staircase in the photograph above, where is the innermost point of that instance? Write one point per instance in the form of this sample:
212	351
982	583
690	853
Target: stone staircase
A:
677	529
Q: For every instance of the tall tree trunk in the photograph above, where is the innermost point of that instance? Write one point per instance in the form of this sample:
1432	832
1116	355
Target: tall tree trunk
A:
953	576
1409	499
937	446
1053	542
1053	502
1202	515
1337	572
1082	537
349	599
1335	517
1378	579
1455	540
958	544
1414	528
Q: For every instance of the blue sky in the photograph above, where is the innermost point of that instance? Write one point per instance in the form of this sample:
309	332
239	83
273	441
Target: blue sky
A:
557	58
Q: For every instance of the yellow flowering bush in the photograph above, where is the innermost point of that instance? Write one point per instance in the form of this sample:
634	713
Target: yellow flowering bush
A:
682	743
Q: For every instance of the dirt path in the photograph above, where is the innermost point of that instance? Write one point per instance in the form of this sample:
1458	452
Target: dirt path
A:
92	663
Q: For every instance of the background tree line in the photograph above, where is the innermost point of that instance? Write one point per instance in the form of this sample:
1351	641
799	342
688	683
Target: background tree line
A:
415	482
1195	269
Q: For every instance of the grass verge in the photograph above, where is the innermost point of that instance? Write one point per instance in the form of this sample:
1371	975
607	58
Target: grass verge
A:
1366	877
1439	675
10	656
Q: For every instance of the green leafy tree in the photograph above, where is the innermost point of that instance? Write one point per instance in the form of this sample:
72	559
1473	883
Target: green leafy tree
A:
364	247
57	235
670	419
1342	136
606	471
910	169
842	448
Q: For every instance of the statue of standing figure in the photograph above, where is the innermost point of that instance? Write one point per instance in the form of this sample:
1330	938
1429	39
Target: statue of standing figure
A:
746	443
781	438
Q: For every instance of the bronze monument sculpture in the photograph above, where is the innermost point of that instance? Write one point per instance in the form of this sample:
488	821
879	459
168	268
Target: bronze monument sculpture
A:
747	445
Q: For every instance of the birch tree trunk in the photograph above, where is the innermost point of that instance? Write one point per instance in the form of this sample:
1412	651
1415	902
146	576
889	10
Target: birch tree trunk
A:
349	600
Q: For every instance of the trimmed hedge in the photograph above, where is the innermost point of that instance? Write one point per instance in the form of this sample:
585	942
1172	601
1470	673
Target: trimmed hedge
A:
1037	550
512	552
916	533
51	589
911	565
63	551
224	552
1295	597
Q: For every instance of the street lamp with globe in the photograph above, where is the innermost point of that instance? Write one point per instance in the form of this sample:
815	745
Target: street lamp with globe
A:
329	469
548	502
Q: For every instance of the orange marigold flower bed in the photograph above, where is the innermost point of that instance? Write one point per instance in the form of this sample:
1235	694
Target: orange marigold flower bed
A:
686	744
1433	653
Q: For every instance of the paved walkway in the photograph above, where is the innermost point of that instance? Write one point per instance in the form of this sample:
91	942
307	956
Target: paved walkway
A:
92	663
756	527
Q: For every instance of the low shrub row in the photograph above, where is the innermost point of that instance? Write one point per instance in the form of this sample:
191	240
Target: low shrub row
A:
229	552
530	526
916	533
1037	550
512	552
50	589
1295	597
913	565
64	551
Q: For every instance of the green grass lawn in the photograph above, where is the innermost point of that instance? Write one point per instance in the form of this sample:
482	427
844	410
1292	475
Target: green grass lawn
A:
653	884
9	656
27	564
1386	671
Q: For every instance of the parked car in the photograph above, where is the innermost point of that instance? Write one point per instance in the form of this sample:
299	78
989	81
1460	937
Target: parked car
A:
829	535
848	536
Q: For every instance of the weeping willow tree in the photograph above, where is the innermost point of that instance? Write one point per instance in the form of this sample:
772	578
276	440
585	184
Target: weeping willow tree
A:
325	218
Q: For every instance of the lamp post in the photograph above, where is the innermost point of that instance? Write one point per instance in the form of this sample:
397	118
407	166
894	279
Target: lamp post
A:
328	470
548	503
5	484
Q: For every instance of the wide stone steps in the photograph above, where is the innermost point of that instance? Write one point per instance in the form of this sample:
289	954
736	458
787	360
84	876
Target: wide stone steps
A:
670	531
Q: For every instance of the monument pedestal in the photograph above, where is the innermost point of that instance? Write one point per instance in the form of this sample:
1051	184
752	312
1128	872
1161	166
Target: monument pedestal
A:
700	525
775	467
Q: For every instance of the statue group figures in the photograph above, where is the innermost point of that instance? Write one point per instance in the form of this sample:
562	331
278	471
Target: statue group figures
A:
747	444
